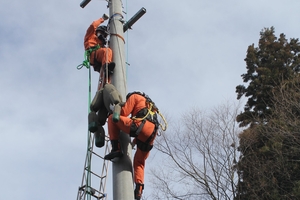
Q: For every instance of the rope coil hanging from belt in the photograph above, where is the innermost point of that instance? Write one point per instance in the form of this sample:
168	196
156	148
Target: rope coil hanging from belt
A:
151	110
87	54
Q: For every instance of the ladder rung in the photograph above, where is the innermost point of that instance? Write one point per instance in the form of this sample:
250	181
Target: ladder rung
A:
92	192
97	155
95	174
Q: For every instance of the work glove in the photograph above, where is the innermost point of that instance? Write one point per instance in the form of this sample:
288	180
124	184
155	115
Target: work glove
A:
105	17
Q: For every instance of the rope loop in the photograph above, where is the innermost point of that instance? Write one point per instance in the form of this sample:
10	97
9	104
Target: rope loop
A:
87	54
164	128
150	112
85	63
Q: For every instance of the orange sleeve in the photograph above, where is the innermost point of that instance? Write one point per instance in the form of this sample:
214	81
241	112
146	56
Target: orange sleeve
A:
90	38
128	106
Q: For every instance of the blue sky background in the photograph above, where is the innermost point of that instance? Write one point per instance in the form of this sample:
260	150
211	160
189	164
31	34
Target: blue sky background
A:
182	54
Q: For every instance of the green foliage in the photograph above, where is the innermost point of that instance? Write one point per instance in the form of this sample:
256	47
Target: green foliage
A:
273	61
269	166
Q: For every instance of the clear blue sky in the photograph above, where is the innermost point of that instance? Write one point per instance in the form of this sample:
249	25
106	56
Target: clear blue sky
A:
181	53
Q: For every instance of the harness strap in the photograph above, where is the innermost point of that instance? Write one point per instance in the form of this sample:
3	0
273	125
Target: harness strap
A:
146	114
145	146
91	49
140	128
118	36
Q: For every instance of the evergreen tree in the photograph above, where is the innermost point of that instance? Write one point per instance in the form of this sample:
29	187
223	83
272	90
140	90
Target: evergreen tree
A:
273	61
269	166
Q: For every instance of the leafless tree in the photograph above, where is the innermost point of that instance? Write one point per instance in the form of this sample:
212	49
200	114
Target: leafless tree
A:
199	154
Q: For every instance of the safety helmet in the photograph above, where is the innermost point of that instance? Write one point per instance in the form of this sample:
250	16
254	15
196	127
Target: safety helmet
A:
135	92
102	29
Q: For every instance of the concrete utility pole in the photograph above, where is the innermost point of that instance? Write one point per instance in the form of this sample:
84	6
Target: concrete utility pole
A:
122	168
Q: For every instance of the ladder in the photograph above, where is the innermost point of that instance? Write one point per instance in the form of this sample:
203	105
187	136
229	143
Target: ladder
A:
91	175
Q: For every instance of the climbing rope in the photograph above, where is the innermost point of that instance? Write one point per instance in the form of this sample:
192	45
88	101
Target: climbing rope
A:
164	128
86	63
87	54
150	112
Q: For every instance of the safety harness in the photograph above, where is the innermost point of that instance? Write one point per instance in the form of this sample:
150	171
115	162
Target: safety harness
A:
149	113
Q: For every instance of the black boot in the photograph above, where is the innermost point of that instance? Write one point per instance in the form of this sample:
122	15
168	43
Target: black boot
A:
110	68
100	137
115	151
138	191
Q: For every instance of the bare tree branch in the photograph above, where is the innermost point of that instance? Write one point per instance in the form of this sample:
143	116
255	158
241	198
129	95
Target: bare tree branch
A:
200	154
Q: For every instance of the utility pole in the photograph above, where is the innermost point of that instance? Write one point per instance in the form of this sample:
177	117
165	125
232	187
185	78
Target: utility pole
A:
122	167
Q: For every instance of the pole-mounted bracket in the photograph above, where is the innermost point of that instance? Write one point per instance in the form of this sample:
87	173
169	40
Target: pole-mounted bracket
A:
136	17
84	3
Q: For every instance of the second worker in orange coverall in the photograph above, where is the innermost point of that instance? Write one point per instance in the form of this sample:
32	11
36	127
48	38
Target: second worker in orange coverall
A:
144	129
96	34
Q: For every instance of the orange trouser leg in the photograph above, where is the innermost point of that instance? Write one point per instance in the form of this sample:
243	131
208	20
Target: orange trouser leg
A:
104	55
139	165
146	132
114	128
140	156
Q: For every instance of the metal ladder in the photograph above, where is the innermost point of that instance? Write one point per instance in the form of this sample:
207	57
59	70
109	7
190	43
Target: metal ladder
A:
91	176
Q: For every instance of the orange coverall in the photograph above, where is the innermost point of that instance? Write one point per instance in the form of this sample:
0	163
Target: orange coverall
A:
133	104
102	55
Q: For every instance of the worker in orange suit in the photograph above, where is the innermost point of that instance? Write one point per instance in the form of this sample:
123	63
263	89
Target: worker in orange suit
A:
101	57
140	126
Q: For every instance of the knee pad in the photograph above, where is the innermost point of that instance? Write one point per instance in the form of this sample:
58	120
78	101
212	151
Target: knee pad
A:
97	102
93	122
102	115
110	95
